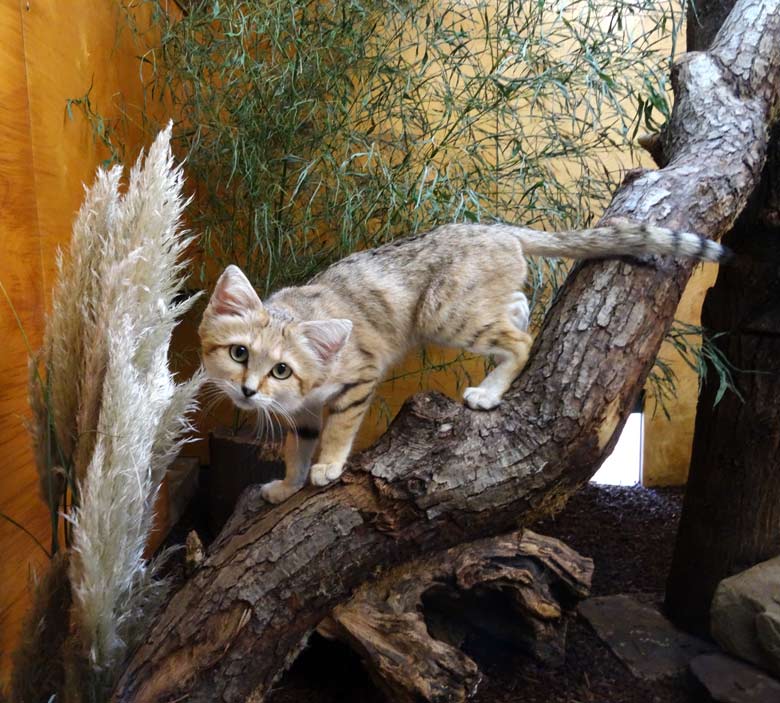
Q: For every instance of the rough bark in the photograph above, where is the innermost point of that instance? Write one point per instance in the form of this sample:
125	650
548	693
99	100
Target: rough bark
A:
731	513
443	475
409	626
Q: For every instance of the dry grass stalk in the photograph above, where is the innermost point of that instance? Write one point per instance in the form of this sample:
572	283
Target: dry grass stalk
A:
37	662
108	414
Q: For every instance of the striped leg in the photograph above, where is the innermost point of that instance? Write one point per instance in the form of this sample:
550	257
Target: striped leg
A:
339	433
299	449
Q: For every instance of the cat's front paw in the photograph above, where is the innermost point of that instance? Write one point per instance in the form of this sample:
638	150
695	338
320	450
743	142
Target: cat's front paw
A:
480	398
277	491
323	474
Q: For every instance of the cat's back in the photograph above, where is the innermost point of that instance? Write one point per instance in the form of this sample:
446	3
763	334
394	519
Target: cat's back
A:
407	257
377	289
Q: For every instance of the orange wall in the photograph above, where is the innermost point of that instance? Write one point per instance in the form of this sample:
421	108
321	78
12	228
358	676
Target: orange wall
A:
49	51
20	274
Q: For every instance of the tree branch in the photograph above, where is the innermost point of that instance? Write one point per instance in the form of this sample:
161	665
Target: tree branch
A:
442	474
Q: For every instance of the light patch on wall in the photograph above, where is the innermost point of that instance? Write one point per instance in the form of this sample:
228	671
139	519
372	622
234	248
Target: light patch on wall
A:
624	466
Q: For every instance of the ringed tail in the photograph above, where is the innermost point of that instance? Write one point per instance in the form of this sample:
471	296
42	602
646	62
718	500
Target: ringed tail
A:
631	239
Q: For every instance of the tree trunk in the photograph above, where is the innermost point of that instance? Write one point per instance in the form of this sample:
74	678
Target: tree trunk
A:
443	475
731	513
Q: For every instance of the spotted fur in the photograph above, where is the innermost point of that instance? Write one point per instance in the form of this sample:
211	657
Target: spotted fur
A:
457	286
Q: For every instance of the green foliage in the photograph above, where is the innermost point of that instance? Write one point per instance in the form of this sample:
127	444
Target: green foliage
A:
316	128
102	129
696	346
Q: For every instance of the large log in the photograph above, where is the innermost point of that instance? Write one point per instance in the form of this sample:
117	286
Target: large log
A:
442	474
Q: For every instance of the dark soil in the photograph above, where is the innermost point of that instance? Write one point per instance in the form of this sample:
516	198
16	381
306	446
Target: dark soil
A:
629	532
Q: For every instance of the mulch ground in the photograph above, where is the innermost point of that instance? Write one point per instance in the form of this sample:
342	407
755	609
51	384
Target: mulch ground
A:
629	532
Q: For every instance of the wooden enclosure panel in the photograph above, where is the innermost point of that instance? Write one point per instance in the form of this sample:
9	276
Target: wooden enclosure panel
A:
72	49
20	274
49	51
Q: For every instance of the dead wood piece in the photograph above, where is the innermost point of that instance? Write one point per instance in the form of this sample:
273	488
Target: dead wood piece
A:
402	658
409	627
194	553
653	144
443	475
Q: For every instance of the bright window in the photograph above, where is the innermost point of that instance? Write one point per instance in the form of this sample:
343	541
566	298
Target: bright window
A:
624	466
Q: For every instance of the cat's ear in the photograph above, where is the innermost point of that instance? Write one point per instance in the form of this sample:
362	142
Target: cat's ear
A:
326	338
233	294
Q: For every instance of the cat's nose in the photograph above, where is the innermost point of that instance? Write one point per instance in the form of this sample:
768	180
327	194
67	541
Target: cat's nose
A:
248	392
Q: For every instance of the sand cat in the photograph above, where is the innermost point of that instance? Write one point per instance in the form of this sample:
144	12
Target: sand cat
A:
329	343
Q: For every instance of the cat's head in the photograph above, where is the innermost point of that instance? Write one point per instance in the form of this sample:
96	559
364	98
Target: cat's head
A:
260	357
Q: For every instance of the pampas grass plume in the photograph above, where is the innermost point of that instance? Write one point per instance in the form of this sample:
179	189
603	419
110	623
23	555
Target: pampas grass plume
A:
119	417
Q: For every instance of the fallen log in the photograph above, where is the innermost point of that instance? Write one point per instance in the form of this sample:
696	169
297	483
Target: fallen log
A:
443	475
409	627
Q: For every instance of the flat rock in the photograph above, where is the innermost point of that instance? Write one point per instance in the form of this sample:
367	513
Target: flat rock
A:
729	680
745	615
641	637
768	633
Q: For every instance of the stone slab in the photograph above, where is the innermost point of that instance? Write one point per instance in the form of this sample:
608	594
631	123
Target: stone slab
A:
729	680
641	637
745	615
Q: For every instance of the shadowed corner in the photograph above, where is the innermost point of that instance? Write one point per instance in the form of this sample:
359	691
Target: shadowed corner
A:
727	257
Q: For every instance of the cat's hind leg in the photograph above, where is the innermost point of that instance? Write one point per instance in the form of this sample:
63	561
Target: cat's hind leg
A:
508	342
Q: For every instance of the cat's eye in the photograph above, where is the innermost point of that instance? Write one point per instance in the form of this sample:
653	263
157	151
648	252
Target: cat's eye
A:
281	371
239	353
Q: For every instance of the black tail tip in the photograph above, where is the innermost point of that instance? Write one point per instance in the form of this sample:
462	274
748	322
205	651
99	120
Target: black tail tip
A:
727	256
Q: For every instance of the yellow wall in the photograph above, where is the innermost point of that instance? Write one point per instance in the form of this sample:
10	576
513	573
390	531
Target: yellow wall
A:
667	445
49	51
